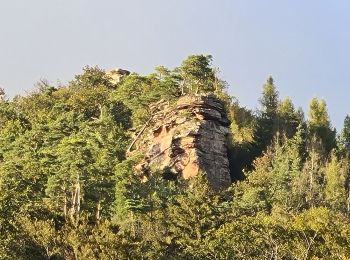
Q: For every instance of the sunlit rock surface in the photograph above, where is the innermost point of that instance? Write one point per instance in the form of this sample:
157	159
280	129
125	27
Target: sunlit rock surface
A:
188	138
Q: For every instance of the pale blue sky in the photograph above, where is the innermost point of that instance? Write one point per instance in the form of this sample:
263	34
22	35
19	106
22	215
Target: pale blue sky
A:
304	45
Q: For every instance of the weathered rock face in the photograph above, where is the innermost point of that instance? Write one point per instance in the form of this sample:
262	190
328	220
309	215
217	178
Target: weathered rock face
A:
189	138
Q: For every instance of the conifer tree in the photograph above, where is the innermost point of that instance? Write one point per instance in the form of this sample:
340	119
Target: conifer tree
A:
319	124
268	115
194	215
288	119
344	138
197	75
311	179
335	188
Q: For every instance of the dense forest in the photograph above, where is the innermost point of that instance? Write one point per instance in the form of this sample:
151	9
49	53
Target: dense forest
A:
68	188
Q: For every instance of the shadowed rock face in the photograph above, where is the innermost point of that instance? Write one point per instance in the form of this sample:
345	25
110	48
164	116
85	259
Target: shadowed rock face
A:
189	138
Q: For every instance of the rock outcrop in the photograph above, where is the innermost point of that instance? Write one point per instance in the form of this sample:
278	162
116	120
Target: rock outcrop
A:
188	138
117	74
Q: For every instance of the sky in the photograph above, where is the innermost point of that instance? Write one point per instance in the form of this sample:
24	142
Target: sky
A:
304	45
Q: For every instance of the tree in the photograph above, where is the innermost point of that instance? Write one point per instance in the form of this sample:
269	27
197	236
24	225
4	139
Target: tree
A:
67	185
136	93
288	118
271	183
192	219
267	118
242	133
22	183
286	166
335	188
167	85
309	185
2	94
319	124
197	75
344	138
269	99
91	77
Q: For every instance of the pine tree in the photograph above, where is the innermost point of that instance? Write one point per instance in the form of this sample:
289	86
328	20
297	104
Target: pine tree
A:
344	138
309	185
269	99
197	75
286	166
319	124
267	123
192	218
288	119
335	188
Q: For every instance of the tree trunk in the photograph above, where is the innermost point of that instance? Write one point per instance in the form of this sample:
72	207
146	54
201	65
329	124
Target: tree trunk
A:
139	135
98	211
65	206
101	111
72	209
75	209
182	89
348	202
78	199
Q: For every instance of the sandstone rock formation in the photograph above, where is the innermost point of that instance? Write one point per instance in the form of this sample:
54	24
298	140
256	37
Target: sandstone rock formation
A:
117	74
188	138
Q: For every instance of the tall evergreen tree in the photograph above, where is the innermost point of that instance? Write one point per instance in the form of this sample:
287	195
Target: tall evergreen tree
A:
344	138
319	124
288	118
268	115
335	188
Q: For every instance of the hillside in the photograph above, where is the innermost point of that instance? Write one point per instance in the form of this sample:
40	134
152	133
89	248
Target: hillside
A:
116	165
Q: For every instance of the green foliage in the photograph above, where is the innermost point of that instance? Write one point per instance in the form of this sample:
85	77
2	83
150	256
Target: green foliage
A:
289	119
344	138
194	215
267	125
319	124
196	75
269	99
69	188
275	117
335	188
